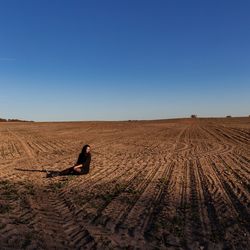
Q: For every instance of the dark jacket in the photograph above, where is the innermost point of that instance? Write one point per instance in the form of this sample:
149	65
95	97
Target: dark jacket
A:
84	159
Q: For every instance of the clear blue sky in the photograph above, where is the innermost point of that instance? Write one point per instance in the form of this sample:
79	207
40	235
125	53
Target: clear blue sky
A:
124	59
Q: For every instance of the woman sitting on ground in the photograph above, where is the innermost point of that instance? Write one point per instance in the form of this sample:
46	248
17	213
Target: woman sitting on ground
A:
81	167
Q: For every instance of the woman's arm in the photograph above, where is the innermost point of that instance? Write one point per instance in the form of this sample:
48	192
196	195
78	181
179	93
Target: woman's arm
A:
78	166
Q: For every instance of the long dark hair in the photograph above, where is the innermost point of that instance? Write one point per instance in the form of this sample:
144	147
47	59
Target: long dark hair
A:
84	149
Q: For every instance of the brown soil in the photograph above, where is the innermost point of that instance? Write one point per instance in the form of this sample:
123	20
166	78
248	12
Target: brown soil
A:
166	184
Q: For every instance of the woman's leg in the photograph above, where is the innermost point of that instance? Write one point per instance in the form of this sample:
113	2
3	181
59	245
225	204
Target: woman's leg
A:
67	171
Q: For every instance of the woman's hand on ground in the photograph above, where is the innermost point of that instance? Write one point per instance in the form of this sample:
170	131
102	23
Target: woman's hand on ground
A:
77	169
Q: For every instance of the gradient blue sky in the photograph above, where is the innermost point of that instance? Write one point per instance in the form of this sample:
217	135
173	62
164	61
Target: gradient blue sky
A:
124	59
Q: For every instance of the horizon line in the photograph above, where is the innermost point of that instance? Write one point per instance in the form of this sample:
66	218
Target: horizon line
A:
126	120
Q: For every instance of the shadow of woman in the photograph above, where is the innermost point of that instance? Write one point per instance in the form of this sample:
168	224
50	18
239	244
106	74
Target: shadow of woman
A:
37	170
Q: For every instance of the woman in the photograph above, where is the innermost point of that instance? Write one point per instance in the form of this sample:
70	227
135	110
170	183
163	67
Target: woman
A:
81	167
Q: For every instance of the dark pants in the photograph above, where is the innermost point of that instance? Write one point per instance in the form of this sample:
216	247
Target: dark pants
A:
71	171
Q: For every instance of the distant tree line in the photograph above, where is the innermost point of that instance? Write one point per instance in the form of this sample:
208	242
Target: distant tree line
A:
13	120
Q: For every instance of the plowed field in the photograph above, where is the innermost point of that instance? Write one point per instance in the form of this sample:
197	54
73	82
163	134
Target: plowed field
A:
166	184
